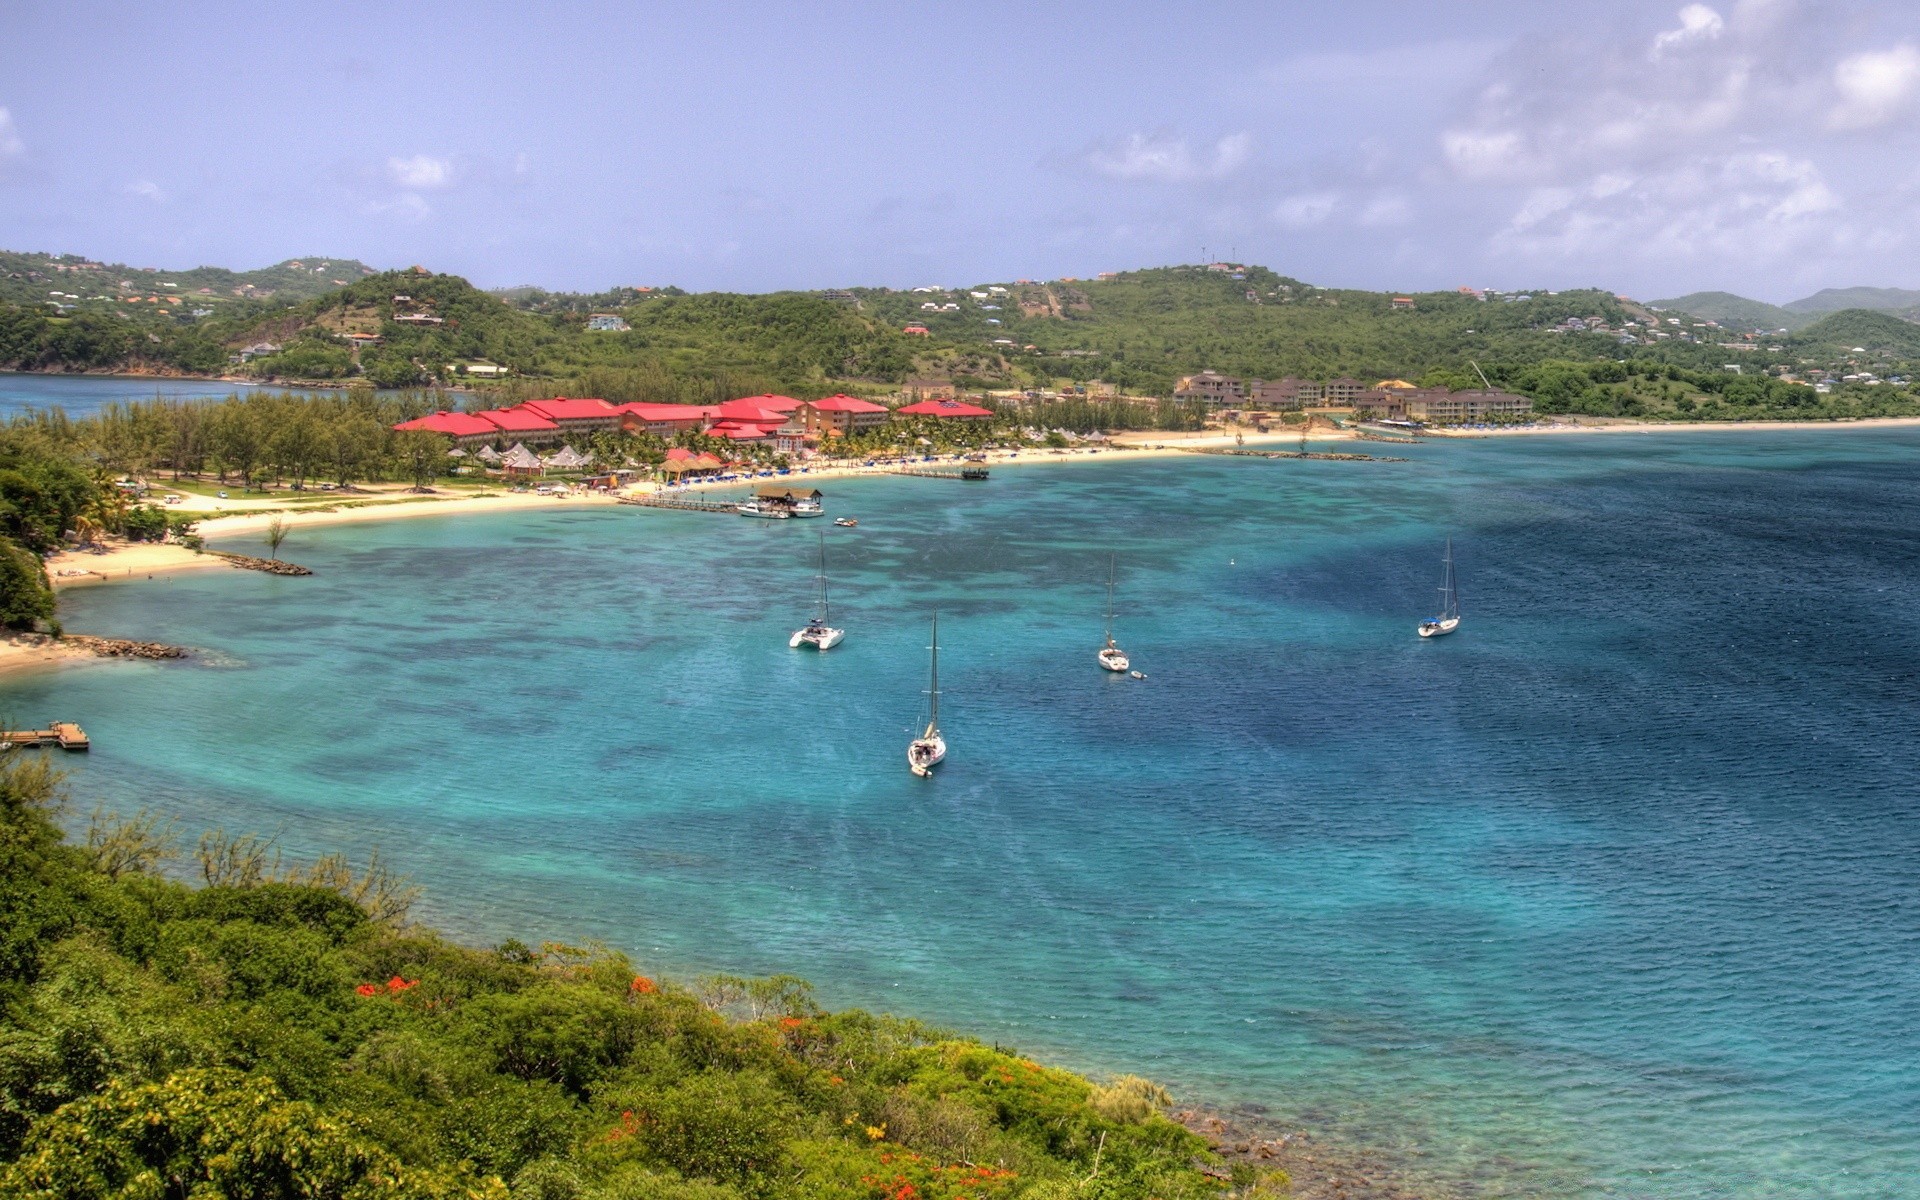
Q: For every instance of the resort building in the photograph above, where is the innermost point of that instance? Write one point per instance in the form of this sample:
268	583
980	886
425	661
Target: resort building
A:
842	416
1211	386
521	463
523	425
1283	394
682	463
952	410
665	421
575	415
466	429
1342	391
1444	408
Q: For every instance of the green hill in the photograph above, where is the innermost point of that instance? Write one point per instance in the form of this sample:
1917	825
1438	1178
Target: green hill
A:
1888	338
1735	312
1836	299
84	283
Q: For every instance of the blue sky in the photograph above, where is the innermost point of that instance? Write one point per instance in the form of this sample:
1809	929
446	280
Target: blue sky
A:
1762	146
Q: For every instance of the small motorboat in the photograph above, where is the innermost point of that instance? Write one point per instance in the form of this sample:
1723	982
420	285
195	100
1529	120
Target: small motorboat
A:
1136	674
846	522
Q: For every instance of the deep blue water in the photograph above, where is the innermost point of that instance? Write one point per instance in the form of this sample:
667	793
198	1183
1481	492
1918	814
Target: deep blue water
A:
84	395
1612	893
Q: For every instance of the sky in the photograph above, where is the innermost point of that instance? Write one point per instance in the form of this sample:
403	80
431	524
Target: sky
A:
1765	147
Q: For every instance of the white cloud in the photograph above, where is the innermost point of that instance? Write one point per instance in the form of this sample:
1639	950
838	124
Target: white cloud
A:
1874	86
147	189
10	144
1698	23
1165	158
1306	209
422	171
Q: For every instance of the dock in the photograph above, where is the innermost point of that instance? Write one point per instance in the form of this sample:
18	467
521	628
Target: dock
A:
970	473
683	503
64	734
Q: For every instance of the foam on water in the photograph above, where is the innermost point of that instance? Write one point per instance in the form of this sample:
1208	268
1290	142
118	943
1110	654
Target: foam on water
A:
1612	893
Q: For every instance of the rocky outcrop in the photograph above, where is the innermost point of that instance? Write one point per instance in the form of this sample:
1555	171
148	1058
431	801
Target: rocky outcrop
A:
271	566
123	647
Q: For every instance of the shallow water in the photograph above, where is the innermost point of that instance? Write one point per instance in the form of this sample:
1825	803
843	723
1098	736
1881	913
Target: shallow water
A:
1611	893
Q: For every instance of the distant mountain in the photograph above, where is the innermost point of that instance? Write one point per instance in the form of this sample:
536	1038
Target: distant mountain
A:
1738	312
76	282
1834	299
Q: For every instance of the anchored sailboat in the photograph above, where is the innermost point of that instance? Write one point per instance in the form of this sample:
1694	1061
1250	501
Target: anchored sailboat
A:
1449	618
1112	657
818	633
925	752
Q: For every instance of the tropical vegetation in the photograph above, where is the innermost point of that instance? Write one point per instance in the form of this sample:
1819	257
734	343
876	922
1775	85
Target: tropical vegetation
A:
279	1031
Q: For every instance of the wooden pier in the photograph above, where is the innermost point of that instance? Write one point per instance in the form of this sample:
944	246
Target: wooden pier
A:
683	503
64	734
969	473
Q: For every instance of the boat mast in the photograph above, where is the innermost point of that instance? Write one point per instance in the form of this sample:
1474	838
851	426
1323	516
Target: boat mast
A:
1449	595
826	612
933	670
1112	563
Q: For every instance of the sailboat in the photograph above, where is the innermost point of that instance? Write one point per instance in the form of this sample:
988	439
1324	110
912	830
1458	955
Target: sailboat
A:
925	752
1449	618
1112	657
819	634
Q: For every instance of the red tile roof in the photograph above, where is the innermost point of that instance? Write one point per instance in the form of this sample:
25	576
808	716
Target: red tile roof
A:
453	424
562	409
667	412
944	408
848	404
518	420
753	410
780	404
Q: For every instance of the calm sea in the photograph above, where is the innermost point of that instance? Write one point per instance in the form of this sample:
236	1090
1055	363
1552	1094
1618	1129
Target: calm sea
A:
1612	893
84	395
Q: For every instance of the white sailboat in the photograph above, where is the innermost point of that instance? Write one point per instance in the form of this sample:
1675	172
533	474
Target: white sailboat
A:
818	633
925	752
1112	657
1449	618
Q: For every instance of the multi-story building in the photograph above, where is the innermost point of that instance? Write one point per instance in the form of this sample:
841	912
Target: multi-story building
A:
1212	387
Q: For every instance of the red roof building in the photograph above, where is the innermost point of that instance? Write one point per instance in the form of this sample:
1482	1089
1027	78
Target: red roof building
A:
523	425
464	428
664	420
917	330
842	415
779	404
745	431
575	414
950	409
752	409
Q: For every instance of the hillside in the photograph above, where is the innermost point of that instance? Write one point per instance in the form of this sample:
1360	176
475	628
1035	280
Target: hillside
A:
1735	312
83	283
1883	336
285	1032
1835	299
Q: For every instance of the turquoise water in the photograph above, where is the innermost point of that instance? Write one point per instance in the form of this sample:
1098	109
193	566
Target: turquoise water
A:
83	395
1612	893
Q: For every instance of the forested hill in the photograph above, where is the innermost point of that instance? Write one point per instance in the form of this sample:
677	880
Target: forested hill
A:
1137	331
76	283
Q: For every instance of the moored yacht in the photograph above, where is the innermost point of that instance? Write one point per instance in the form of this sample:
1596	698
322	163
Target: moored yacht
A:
1448	619
819	633
928	750
1112	657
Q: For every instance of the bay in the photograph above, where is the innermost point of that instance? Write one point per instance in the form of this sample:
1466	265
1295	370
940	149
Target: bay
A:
1610	893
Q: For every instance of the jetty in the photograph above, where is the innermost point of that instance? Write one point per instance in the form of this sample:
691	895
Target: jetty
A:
64	734
968	473
683	503
272	566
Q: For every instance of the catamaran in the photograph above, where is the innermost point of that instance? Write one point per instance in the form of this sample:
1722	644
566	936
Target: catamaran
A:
1449	618
1112	657
819	634
925	752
